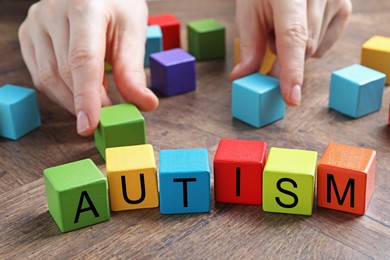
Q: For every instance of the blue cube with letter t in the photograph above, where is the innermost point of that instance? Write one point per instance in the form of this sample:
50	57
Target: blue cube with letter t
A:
184	181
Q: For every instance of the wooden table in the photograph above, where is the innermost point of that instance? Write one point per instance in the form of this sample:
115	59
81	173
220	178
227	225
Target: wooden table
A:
199	119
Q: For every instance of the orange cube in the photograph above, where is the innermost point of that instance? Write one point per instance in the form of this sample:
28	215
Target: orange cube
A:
346	178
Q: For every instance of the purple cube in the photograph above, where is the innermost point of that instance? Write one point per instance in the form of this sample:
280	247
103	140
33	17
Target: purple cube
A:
172	72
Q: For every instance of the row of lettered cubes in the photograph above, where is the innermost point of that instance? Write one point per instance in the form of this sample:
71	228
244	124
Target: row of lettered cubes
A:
282	181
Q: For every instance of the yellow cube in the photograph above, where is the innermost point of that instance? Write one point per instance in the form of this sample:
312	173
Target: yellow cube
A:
268	62
132	177
376	55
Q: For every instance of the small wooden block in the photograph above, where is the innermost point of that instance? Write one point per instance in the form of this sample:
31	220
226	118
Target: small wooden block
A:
132	177
256	100
356	90
172	72
184	181
170	27
76	195
107	67
119	125
206	39
346	178
288	181
268	62
376	55
238	171
19	111
153	42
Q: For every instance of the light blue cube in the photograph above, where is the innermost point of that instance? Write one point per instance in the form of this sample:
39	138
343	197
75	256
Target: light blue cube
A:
153	42
356	90
184	181
257	101
19	112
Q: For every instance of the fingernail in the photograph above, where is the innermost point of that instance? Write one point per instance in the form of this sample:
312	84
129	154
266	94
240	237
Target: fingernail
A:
82	122
295	95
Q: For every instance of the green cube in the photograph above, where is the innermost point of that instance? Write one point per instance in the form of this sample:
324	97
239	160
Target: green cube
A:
120	125
288	181
206	39
77	195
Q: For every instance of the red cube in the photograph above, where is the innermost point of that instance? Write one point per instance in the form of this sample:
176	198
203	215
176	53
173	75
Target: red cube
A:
170	27
238	170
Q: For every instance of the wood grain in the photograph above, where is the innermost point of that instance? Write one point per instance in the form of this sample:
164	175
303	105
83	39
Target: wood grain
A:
198	119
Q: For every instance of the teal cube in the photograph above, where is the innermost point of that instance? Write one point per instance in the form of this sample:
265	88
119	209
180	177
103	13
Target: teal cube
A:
256	100
356	90
19	111
184	180
288	181
206	39
77	195
119	125
153	42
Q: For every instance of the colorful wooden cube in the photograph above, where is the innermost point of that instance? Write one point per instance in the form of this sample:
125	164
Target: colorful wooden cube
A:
107	67
268	62
206	39
153	42
356	90
376	55
184	181
170	27
77	195
172	72
346	178
256	100
132	177
288	181
19	111
119	125
238	171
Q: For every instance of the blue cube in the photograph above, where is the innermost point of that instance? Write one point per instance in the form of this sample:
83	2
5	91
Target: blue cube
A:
19	112
184	181
356	90
153	42
256	100
172	72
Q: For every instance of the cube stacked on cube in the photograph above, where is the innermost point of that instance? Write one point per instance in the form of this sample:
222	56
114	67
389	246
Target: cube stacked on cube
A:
172	72
256	100
119	125
288	181
184	181
76	195
238	171
170	27
346	178
19	111
153	42
206	39
132	177
376	55
356	90
268	60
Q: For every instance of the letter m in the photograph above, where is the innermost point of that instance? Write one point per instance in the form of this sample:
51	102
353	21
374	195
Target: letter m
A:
350	186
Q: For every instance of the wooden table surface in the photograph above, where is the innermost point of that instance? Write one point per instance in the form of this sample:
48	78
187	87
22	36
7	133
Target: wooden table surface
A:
199	119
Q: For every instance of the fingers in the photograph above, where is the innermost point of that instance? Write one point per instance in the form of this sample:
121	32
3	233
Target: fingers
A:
128	62
291	38
335	28
39	57
315	14
86	60
253	39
